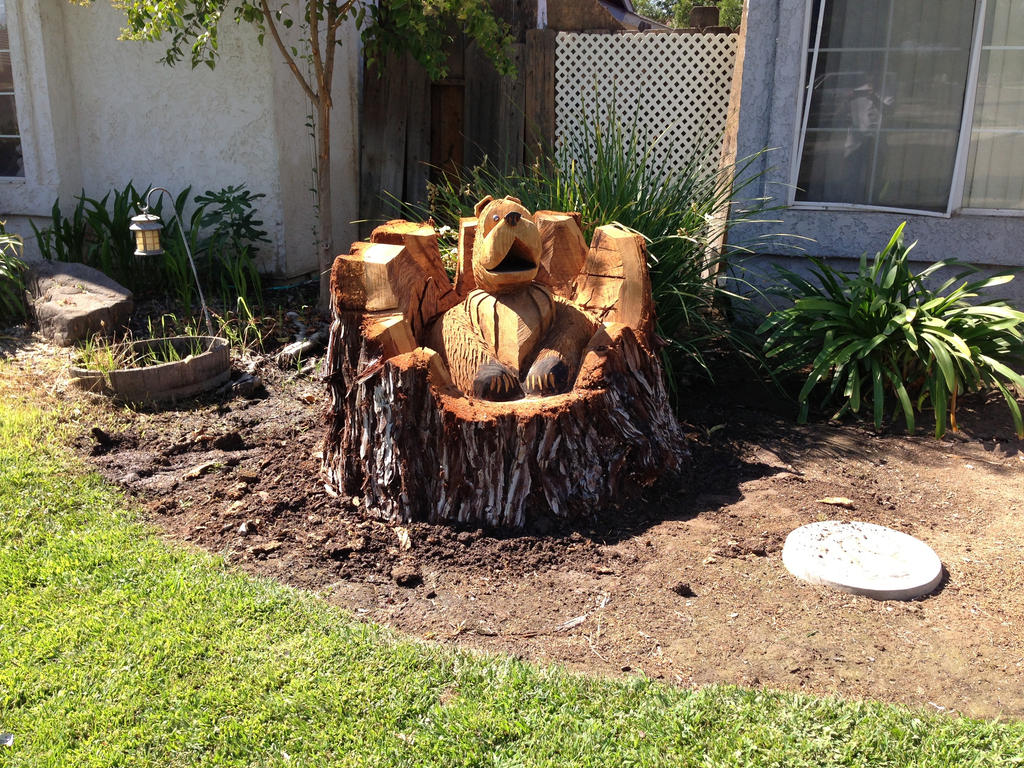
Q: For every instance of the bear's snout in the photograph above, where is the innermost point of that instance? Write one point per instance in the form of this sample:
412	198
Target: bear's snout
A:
513	217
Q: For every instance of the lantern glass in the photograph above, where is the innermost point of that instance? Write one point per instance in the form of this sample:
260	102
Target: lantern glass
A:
147	228
148	239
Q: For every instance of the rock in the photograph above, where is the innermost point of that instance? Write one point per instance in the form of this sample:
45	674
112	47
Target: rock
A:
73	301
303	349
247	385
238	491
235	509
266	549
199	470
247	528
406	575
341	551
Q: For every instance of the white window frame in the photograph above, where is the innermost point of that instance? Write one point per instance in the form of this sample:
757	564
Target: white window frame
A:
959	179
14	93
32	194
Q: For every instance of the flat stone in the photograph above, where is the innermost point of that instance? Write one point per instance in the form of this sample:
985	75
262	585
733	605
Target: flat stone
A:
862	559
72	302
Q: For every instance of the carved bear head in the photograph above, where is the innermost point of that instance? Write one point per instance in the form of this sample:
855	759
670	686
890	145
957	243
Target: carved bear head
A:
507	246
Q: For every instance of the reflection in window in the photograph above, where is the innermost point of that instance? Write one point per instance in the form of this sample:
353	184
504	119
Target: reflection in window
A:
886	101
995	166
10	138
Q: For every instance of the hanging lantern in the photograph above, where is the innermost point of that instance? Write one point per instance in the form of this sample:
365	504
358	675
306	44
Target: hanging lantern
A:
146	227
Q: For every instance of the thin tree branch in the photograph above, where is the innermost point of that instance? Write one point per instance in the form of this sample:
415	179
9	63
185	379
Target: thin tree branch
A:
269	16
335	17
312	11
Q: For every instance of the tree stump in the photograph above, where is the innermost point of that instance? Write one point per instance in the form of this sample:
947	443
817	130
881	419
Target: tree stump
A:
416	446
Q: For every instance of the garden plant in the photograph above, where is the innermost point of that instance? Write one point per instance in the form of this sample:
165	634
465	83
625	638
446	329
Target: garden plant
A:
12	276
223	232
608	174
883	339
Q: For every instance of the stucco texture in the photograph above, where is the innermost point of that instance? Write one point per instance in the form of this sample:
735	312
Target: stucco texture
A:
118	114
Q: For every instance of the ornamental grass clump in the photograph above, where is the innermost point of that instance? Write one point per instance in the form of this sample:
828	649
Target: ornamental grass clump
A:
609	172
12	276
882	339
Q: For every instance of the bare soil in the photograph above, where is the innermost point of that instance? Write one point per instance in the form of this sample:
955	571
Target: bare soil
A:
681	584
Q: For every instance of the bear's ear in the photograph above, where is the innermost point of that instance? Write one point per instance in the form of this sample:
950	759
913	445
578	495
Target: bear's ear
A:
480	206
514	199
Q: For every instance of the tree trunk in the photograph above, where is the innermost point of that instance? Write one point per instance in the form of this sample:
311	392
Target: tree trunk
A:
415	447
325	224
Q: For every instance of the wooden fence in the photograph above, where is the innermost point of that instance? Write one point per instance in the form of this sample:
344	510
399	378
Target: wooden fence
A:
414	130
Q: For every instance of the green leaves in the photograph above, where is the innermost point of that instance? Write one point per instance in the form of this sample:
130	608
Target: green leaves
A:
12	276
882	337
606	172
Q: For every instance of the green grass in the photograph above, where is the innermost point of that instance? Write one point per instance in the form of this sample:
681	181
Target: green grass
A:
119	649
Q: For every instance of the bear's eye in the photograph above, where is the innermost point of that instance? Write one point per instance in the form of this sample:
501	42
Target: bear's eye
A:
496	217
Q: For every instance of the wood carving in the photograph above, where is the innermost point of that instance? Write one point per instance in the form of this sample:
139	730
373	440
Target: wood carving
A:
527	388
511	336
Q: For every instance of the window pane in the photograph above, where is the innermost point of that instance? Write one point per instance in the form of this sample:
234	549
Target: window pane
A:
6	76
830	172
918	169
886	102
10	158
1004	24
920	92
8	116
994	171
996	160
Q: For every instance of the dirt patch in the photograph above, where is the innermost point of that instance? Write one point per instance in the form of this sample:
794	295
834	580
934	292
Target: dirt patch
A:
685	585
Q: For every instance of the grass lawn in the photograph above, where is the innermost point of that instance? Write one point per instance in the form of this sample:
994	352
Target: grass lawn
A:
118	649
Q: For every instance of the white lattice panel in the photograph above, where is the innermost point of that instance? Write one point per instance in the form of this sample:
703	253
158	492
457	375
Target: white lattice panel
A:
678	84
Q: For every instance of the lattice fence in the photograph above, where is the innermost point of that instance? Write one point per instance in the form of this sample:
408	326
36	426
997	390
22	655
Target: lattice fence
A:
678	84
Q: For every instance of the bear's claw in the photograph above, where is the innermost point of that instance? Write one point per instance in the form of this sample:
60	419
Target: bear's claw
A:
496	382
548	376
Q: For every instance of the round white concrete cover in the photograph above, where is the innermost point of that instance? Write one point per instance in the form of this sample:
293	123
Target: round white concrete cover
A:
863	559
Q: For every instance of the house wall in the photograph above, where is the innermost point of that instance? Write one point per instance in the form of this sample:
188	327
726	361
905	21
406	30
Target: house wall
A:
773	58
105	112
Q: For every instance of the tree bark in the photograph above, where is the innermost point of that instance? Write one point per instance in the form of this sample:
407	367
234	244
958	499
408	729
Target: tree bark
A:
415	448
325	224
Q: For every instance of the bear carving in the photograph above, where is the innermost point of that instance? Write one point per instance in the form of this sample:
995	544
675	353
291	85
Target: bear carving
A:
511	337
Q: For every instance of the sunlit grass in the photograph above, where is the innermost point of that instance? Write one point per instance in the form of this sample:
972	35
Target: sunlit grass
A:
119	649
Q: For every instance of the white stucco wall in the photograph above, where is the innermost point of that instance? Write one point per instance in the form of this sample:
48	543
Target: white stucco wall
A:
768	118
109	112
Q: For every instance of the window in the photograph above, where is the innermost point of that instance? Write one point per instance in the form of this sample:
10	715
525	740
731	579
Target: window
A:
914	105
10	139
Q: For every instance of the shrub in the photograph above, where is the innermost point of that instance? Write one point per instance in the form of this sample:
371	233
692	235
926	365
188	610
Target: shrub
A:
12	276
609	174
222	230
882	338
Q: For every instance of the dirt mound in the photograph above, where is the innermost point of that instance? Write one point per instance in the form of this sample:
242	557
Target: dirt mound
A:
687	587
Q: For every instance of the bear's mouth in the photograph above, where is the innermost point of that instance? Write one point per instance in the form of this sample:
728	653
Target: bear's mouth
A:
518	259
